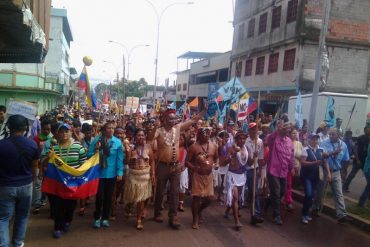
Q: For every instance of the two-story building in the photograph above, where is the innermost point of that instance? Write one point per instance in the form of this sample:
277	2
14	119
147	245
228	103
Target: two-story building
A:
211	70
275	45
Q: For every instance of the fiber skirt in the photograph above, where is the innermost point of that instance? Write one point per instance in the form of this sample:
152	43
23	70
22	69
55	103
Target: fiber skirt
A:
138	186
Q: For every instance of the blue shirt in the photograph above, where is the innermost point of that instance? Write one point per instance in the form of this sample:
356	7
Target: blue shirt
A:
367	162
114	162
16	167
335	161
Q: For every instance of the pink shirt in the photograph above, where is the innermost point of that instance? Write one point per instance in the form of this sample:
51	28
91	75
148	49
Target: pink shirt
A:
281	159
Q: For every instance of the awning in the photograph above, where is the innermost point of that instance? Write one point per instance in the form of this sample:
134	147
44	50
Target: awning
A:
22	38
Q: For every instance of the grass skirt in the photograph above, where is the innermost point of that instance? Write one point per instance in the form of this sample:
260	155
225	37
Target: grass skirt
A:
138	186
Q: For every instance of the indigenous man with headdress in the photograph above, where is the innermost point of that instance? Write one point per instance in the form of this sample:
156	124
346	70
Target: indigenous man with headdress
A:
201	158
168	167
237	157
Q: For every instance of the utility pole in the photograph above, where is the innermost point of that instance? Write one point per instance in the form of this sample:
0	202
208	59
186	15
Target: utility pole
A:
317	83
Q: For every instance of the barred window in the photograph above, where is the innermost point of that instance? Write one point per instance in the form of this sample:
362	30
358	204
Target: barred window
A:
260	65
248	67
238	69
292	11
251	25
289	60
263	23
276	15
273	63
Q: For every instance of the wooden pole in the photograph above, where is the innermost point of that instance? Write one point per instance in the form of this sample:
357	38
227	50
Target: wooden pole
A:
255	163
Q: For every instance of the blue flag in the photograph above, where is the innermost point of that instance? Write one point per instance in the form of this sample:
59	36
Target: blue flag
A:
330	114
232	89
298	111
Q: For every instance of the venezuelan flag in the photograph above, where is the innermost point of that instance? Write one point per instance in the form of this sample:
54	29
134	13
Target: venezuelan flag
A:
84	83
70	183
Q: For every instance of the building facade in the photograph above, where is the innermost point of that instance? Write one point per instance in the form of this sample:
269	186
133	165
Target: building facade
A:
41	83
57	61
210	71
275	46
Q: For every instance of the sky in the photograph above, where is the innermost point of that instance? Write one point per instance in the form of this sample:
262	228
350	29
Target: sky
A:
203	26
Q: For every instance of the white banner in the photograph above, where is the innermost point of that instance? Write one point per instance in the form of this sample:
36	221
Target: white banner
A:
243	109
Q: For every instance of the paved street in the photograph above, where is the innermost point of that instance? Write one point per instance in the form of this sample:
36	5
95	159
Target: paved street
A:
357	185
216	231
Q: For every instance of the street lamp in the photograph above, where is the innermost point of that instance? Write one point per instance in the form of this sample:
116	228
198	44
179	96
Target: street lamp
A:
129	57
118	88
159	18
124	62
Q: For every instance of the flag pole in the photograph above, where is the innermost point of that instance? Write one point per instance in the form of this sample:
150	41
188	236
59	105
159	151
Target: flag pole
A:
350	117
255	163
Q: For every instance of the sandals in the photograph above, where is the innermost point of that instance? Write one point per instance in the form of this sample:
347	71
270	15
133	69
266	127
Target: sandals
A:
81	212
139	225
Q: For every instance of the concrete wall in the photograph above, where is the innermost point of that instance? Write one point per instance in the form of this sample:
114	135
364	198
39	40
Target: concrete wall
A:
270	38
348	68
182	78
212	64
281	80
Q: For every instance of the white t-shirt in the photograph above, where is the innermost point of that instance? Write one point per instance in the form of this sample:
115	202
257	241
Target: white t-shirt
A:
249	143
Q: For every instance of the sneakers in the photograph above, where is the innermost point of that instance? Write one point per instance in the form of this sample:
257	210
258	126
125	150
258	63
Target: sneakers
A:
96	224
36	210
158	219
342	219
105	223
278	221
304	220
57	234
67	226
174	223
315	212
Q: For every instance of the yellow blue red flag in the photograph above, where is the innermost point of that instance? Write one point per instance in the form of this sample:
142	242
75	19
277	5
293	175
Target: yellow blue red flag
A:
84	83
71	183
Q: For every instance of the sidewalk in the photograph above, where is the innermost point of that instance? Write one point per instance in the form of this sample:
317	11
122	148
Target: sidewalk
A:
329	209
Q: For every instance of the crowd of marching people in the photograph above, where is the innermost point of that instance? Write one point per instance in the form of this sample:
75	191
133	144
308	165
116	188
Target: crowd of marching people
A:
149	158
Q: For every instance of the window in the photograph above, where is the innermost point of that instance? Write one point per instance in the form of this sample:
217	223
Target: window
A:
178	87
260	65
292	11
241	32
238	69
251	24
248	67
273	63
289	59
185	86
263	23
276	14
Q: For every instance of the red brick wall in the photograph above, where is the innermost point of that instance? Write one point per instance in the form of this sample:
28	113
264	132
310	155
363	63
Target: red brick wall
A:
348	30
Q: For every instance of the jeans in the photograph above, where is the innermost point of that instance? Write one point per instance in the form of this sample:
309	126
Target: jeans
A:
366	194
309	192
17	201
355	168
336	187
250	191
165	173
37	197
277	190
288	194
104	198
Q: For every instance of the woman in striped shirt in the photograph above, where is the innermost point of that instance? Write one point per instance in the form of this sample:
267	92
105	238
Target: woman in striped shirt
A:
74	155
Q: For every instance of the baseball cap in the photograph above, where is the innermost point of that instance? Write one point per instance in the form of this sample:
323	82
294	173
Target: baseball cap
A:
252	125
312	136
64	126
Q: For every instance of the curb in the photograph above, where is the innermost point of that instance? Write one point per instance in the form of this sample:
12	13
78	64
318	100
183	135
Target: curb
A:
328	209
